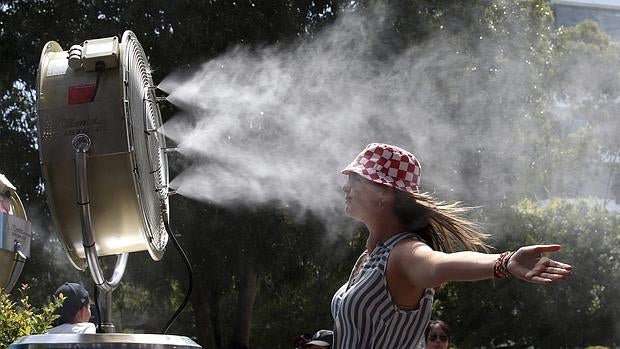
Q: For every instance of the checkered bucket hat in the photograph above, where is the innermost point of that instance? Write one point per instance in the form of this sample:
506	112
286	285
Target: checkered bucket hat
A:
389	165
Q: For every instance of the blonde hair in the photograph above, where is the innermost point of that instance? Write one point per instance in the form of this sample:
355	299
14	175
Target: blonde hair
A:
443	225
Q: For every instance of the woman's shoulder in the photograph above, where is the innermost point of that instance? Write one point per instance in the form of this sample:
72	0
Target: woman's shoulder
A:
410	249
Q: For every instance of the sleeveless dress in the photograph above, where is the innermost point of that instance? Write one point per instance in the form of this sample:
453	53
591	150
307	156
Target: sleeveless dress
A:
363	311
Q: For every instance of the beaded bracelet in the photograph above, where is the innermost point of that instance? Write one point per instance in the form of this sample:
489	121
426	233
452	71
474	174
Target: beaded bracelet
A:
500	270
506	260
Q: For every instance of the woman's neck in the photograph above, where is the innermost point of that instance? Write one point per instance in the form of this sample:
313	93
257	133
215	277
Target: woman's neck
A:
381	232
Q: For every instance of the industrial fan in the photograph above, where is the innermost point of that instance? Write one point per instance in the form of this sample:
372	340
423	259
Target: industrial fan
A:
103	160
96	104
15	235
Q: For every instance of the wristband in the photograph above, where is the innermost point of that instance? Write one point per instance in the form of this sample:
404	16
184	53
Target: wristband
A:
500	270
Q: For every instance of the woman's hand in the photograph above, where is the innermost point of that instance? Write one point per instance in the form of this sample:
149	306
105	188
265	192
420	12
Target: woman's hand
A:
529	264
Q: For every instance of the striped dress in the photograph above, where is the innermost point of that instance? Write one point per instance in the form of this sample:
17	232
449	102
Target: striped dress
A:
363	311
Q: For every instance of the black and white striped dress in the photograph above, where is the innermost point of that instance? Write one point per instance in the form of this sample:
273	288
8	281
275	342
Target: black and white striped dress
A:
363	311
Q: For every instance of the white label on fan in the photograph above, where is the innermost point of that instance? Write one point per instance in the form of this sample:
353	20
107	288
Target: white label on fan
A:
56	67
15	229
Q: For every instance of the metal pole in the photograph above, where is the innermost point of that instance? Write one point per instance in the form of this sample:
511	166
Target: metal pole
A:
81	145
106	323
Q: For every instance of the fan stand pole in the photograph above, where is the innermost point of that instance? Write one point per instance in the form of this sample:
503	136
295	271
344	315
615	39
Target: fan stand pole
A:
81	145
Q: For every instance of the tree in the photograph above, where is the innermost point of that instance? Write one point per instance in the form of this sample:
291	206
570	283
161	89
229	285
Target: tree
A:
524	315
493	71
167	31
586	110
21	318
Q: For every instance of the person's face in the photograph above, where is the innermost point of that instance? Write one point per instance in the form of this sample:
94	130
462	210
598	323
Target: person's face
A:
437	339
83	314
363	198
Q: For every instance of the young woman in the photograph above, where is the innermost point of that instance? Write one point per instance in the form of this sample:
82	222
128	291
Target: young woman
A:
388	299
437	335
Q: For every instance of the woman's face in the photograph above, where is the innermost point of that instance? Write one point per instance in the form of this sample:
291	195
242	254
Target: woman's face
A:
363	198
437	338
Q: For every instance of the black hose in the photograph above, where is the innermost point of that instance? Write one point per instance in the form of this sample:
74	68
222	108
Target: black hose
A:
190	272
99	68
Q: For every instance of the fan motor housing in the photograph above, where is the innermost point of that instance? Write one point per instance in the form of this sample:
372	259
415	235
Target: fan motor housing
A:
15	230
121	188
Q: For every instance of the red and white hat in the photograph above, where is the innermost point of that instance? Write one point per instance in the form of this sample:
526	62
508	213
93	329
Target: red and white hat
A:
389	165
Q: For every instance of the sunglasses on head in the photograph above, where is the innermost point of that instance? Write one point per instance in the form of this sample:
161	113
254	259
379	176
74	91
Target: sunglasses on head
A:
441	338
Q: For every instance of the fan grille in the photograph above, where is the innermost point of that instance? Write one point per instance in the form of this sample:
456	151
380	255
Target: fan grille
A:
150	165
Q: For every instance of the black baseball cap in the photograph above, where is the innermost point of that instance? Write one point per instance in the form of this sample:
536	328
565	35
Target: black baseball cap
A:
76	297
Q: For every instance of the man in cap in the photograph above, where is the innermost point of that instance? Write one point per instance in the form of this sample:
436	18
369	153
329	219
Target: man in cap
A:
321	339
74	312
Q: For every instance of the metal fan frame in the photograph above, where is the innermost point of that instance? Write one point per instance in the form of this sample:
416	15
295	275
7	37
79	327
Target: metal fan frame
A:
16	227
149	130
149	179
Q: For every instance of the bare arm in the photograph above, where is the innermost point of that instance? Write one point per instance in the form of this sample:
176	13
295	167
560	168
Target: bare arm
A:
425	268
529	264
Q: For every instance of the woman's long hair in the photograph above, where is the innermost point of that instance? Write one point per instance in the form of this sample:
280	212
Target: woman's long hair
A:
441	224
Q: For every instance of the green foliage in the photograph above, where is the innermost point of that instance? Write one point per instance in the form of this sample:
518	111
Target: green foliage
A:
297	271
578	312
587	123
20	318
585	37
298	300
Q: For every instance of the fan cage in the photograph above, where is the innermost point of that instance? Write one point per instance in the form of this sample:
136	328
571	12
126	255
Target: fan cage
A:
150	163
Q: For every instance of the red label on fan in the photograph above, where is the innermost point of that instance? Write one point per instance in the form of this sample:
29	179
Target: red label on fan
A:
81	94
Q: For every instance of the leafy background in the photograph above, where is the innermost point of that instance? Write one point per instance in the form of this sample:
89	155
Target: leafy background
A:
518	115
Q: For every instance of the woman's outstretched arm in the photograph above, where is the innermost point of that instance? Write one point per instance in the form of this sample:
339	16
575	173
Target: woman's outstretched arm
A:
426	268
